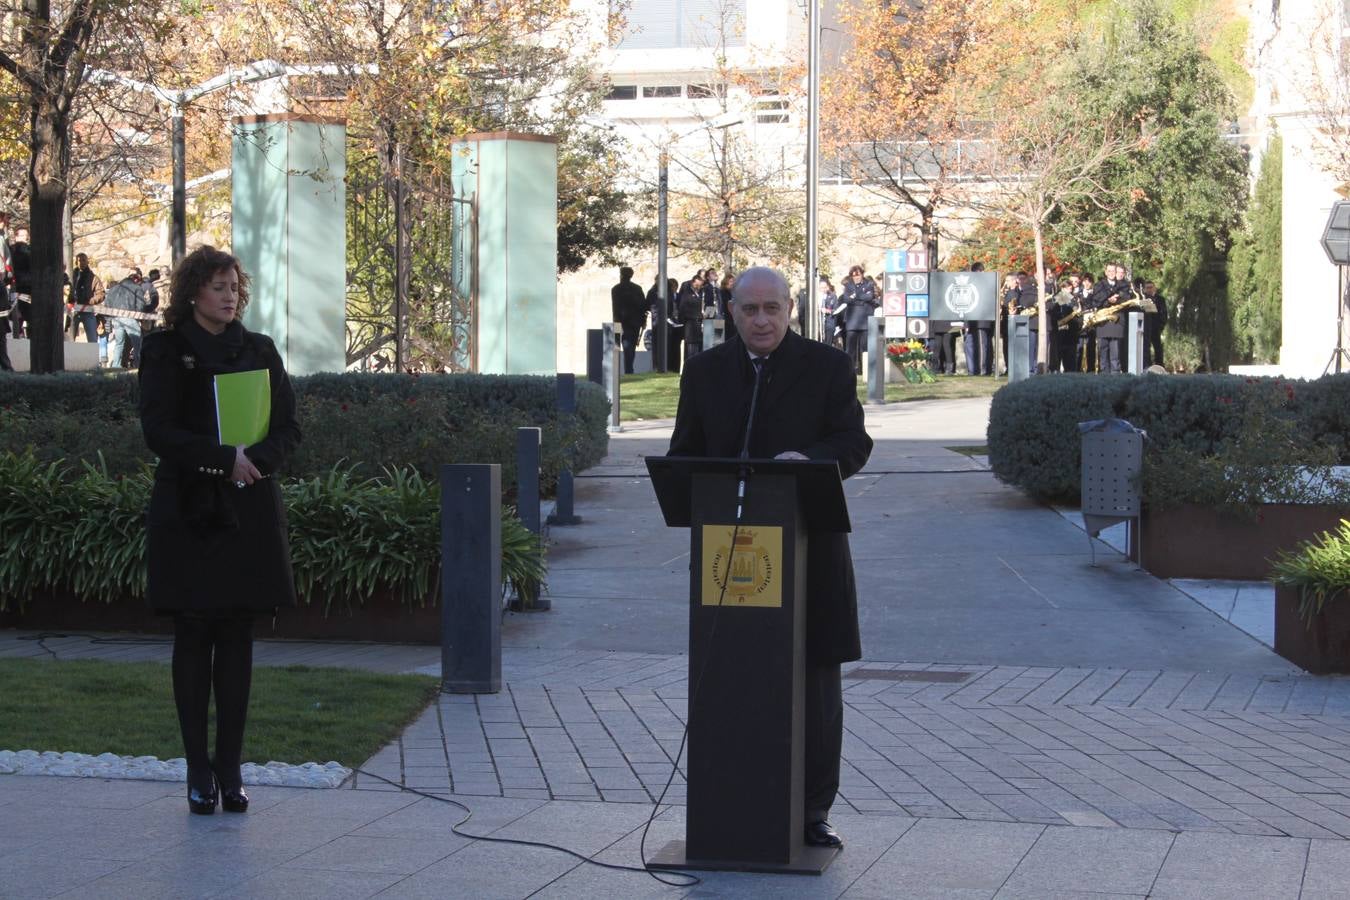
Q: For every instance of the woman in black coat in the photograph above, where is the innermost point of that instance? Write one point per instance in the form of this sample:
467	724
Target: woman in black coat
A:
217	545
856	305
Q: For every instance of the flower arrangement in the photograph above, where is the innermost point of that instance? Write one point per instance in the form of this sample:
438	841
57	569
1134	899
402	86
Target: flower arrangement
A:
912	359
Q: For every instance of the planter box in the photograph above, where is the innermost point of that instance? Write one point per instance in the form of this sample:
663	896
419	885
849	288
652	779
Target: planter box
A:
1197	542
1323	647
381	619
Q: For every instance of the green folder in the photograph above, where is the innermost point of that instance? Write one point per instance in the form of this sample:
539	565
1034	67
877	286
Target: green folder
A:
243	407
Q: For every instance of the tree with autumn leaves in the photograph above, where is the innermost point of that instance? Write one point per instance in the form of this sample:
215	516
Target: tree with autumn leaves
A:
1094	127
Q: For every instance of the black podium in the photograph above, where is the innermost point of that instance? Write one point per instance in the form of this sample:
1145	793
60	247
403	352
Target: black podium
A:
746	655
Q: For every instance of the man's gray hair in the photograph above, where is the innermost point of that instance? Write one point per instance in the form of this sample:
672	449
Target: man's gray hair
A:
761	273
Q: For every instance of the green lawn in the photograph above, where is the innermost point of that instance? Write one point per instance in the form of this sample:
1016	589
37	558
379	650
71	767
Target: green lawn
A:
655	396
297	714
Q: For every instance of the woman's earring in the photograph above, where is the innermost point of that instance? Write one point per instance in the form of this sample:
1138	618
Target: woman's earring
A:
192	302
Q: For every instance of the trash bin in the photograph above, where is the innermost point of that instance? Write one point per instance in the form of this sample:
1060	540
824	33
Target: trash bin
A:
1113	458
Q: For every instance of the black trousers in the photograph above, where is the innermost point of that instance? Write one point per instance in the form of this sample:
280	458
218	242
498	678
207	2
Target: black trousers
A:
1067	341
1153	347
629	339
5	365
1108	354
824	739
853	345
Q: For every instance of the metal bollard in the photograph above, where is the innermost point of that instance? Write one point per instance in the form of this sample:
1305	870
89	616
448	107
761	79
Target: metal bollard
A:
612	369
527	477
1134	343
1019	348
595	356
567	407
471	579
876	360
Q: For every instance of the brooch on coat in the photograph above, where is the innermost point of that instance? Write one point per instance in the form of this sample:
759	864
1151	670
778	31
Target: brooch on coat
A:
189	361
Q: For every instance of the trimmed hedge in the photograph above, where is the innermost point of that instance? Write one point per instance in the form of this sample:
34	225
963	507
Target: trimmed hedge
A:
358	420
351	538
1033	436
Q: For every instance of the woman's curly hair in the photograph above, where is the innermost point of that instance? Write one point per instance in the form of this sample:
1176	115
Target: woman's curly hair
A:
195	270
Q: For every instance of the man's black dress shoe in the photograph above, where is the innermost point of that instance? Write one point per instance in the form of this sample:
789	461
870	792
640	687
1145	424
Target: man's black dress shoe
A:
821	834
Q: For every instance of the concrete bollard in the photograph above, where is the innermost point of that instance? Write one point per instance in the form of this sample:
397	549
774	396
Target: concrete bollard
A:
567	406
1019	348
1134	343
527	477
471	579
613	369
876	360
595	356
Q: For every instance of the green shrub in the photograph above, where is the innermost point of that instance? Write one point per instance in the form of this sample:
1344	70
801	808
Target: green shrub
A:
1034	442
351	537
361	421
1319	569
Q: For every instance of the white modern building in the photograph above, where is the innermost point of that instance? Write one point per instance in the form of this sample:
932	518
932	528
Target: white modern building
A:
1299	62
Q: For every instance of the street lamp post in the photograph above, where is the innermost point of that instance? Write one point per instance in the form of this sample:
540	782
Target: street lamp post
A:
178	100
810	315
660	329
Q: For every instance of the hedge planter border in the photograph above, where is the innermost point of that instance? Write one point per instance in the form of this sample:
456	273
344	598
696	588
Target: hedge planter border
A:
1321	646
1197	542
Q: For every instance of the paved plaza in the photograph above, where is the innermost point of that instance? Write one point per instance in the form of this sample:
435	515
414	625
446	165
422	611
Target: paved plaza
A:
1023	724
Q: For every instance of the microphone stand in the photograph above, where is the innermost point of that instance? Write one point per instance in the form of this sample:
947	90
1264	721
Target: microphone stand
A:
745	445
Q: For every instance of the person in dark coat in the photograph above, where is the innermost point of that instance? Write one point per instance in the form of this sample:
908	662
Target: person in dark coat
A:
807	409
856	305
629	306
1154	323
690	310
217	547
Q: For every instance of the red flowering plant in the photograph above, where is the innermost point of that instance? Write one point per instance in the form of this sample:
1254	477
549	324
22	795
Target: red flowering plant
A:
912	359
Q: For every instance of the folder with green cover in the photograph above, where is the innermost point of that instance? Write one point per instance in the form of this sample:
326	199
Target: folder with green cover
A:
243	407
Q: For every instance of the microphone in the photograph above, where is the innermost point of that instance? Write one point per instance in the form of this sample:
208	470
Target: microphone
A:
758	364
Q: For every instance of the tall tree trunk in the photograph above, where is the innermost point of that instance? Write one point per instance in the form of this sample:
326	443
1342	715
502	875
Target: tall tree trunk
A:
1042	313
47	188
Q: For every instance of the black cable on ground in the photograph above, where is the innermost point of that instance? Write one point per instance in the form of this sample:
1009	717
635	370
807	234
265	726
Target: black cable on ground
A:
692	879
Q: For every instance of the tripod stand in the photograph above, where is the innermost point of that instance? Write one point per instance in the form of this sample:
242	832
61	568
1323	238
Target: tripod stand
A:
1340	354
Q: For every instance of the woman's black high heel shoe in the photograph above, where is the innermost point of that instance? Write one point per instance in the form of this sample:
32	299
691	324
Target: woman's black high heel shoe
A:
202	802
232	799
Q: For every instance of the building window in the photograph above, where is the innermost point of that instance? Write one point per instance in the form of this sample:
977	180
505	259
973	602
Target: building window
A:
662	90
771	112
704	91
622	92
672	24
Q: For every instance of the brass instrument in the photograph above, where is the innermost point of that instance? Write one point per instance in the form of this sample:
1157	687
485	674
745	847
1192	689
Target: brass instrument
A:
1097	317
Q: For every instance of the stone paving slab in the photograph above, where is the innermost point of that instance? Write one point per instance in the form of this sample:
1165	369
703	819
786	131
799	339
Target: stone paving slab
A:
1166	751
299	843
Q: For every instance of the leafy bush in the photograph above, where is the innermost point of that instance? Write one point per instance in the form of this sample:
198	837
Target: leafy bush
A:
351	537
1034	442
362	421
1319	569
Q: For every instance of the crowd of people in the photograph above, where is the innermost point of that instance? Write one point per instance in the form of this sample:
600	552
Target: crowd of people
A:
1086	317
114	318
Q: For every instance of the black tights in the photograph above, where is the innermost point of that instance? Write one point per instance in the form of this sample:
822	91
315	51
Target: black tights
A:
212	651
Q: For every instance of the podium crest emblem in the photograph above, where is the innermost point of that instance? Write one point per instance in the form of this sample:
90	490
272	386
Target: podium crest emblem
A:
748	570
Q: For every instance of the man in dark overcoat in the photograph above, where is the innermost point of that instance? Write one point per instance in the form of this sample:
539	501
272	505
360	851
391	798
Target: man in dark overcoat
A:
807	409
